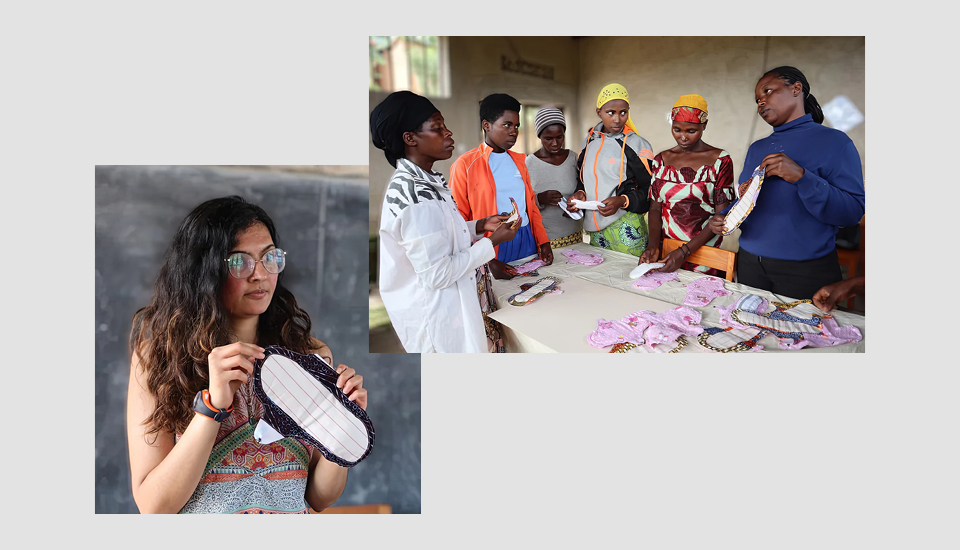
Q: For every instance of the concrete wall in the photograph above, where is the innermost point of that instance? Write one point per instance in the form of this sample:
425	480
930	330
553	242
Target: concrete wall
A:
724	70
655	70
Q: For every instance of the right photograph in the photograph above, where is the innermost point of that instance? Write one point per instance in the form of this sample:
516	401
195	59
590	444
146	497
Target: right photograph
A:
617	194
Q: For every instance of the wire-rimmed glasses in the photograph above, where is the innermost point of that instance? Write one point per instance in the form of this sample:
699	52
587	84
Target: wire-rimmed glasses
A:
241	265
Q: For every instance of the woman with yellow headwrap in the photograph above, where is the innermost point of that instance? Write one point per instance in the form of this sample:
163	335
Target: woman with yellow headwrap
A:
614	168
691	182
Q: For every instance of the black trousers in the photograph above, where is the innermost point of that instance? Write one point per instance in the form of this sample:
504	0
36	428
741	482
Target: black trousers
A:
788	279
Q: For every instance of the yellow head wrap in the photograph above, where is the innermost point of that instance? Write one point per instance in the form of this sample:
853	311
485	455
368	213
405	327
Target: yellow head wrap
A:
616	91
692	100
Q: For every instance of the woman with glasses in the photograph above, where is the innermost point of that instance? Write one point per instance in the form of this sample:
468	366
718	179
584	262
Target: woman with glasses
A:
191	411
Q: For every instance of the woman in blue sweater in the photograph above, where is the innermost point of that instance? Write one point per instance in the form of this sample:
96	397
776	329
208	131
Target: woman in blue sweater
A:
813	184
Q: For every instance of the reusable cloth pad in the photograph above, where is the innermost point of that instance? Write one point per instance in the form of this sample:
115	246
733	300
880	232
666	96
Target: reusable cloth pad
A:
797	324
515	215
642	269
646	327
744	204
538	289
301	399
577	257
530	267
651	281
573	215
586	205
703	290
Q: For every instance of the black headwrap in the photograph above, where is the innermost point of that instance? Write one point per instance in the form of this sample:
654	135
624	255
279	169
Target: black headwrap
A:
494	105
400	112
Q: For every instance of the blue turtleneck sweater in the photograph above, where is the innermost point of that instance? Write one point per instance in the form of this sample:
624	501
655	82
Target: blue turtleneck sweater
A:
799	221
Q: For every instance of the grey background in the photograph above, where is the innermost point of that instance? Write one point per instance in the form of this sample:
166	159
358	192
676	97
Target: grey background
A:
320	221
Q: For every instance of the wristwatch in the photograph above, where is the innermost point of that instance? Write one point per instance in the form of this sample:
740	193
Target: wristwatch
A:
202	405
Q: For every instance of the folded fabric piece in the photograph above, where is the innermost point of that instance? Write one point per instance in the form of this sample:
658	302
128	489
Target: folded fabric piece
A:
703	290
573	215
642	269
647	328
514	215
586	205
651	281
745	202
576	257
530	266
301	399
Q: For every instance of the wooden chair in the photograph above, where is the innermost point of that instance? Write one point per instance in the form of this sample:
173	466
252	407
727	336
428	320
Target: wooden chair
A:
709	256
361	509
852	258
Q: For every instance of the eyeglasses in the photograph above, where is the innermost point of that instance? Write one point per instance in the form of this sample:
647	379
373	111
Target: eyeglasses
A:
241	265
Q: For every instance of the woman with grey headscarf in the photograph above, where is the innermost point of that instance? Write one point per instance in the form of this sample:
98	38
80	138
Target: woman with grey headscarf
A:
553	175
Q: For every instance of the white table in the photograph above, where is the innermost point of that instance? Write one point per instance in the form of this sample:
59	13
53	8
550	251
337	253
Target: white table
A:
562	322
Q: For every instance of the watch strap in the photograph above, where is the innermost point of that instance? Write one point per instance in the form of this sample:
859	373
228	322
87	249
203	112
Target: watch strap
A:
202	405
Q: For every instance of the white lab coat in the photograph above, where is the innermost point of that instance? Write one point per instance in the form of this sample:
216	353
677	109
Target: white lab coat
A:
428	265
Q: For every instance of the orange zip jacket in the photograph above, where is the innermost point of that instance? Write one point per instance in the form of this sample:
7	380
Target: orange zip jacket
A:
476	193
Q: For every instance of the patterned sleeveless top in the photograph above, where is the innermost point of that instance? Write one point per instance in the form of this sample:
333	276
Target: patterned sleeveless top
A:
245	477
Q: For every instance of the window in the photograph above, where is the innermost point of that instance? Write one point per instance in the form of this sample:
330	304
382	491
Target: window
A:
415	63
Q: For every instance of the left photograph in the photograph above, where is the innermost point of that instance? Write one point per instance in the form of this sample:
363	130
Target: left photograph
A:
232	350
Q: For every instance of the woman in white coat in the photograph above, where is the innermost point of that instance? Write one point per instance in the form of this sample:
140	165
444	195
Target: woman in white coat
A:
429	255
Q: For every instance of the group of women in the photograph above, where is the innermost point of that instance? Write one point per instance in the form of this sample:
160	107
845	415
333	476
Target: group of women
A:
441	243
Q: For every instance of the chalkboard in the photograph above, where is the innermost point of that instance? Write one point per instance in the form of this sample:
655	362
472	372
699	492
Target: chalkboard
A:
321	221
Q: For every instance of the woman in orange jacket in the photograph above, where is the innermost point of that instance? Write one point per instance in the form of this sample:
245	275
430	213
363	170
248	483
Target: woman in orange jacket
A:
489	179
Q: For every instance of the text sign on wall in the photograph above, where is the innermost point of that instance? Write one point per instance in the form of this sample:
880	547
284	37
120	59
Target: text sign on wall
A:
525	67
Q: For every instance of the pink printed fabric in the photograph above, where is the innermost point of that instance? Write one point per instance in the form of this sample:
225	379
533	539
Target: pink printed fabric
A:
530	266
647	328
651	281
667	326
617	331
577	257
833	335
703	290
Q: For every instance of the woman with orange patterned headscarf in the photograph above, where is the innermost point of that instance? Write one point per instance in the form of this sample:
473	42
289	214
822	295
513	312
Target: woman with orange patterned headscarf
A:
691	182
614	168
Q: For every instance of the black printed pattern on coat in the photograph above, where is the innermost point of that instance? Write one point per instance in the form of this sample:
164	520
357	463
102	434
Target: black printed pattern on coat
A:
407	188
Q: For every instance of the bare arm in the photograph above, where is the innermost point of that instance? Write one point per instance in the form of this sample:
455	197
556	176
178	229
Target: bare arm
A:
163	475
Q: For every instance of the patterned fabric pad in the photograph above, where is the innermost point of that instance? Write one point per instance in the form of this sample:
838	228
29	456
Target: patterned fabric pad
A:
301	399
744	204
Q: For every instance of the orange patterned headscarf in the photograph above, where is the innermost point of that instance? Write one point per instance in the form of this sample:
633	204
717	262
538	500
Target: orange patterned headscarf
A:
690	108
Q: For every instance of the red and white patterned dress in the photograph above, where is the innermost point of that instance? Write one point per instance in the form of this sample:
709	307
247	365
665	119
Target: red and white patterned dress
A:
689	198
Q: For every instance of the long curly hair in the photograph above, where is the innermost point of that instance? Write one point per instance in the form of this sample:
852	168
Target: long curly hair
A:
185	320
